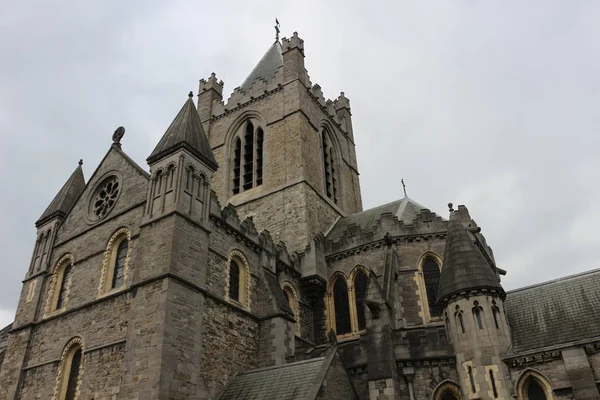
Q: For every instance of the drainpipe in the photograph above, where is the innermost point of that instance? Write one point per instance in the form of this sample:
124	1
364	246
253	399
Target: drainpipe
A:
409	373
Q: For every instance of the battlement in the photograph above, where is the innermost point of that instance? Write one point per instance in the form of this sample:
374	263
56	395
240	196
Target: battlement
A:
342	102
293	43
426	225
211	83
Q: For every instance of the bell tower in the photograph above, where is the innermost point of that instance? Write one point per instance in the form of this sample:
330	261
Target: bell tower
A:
286	153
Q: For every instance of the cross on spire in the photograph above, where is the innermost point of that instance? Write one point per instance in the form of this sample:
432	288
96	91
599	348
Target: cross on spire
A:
276	30
403	186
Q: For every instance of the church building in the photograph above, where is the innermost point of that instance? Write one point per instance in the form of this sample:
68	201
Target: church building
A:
240	264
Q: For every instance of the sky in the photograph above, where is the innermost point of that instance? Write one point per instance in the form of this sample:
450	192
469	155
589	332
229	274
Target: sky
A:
494	105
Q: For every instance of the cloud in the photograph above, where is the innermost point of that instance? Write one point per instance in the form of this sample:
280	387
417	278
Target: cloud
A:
490	105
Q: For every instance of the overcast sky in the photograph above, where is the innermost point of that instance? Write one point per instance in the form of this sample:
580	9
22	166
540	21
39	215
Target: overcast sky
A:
490	104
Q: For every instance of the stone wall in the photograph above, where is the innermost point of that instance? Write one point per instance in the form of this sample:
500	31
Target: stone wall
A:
230	345
103	372
39	382
427	376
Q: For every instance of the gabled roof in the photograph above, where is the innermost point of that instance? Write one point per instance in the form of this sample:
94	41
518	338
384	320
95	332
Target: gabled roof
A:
405	210
185	132
550	313
66	196
266	67
465	267
291	381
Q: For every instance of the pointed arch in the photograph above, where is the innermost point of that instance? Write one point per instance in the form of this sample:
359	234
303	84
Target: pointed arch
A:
115	263
533	385
446	390
338	304
428	277
478	315
244	148
293	301
60	285
70	371
359	279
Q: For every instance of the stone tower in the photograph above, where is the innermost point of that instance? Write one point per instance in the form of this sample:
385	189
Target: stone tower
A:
174	234
286	154
473	301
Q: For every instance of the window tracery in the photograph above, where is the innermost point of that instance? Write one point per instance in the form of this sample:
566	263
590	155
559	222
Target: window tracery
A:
105	197
248	157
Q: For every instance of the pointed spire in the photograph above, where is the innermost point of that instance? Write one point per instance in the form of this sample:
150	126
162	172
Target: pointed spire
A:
185	132
66	196
465	268
267	67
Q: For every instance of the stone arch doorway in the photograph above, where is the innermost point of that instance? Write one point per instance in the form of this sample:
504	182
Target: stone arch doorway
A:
532	385
446	390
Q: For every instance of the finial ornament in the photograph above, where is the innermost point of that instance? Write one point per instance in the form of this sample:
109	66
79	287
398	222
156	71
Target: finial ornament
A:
190	94
276	30
401	180
450	207
80	162
117	136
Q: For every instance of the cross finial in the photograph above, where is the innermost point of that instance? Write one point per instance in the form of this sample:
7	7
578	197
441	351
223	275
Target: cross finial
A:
403	186
80	162
276	30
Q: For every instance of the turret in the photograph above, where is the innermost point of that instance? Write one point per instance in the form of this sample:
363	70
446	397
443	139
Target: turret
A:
472	298
181	168
210	91
293	60
47	226
342	110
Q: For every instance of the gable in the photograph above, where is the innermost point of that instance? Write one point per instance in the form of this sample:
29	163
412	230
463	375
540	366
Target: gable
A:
132	182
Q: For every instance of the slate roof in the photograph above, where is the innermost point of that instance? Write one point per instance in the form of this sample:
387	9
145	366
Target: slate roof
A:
280	299
66	196
405	210
185	132
555	312
464	267
267	67
284	382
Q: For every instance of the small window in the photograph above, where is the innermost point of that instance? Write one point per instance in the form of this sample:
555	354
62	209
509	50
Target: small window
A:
477	315
360	293
493	381
496	314
431	276
119	268
64	284
471	379
234	280
341	306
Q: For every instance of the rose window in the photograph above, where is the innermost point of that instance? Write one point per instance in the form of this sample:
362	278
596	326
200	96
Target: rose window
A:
105	197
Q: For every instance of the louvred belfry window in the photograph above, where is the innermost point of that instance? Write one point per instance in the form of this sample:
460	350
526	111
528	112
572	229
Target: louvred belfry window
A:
329	167
248	158
431	275
360	292
341	305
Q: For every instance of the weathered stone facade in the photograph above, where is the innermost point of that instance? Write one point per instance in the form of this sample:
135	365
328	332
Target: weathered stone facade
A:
244	254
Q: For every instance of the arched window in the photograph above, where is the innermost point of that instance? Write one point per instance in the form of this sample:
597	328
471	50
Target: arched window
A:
341	307
493	381
330	166
496	314
446	390
477	314
535	391
234	280
431	276
115	262
360	293
69	373
60	285
292	298
62	290
248	157
237	286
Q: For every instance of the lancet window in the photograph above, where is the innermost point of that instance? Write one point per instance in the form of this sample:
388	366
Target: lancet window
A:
330	166
248	157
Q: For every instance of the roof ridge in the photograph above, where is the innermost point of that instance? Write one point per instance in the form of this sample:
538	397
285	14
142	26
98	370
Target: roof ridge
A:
282	366
556	280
